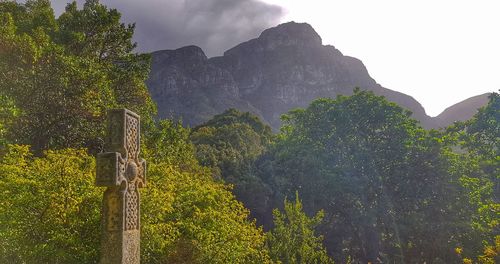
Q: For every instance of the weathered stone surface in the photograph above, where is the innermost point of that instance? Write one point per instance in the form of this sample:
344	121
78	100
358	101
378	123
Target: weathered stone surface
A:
122	172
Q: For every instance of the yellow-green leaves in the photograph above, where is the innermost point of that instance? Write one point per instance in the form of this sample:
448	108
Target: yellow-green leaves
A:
50	207
189	218
293	239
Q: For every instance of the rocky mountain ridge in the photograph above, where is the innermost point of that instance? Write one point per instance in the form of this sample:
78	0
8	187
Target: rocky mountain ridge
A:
284	68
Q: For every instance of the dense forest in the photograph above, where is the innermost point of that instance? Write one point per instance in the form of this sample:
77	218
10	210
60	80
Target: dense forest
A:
352	179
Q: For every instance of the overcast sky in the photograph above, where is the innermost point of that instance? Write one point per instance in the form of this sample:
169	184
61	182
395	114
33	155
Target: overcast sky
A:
214	25
438	51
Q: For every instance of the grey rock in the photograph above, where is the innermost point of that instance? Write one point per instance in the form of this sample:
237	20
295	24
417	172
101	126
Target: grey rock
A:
186	86
284	68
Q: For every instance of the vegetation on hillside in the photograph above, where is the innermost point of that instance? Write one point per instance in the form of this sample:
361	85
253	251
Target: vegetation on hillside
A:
59	77
390	190
370	185
293	239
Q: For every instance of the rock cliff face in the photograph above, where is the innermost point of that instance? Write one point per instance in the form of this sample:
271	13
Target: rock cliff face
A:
186	86
284	68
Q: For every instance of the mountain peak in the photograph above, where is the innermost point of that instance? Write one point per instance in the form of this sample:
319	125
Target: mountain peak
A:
188	55
286	67
192	53
291	34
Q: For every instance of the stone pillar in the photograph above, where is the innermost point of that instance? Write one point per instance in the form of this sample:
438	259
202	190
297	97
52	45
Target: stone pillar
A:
122	171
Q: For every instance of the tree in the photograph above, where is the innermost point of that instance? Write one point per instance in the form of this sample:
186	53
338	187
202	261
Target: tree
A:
490	254
230	144
199	220
478	142
189	218
63	74
50	207
292	240
383	181
8	113
483	130
95	32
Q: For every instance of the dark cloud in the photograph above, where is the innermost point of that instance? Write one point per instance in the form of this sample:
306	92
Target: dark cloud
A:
214	25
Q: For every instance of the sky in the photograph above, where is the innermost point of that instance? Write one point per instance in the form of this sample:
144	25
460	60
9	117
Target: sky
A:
214	25
438	51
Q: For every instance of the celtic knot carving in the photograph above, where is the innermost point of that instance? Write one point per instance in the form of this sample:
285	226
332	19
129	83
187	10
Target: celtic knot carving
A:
132	143
131	209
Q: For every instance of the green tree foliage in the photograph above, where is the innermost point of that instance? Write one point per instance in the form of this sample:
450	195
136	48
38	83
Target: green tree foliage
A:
57	79
390	191
230	144
63	74
490	254
483	130
168	142
199	221
382	180
293	240
8	112
50	208
478	141
482	140
189	218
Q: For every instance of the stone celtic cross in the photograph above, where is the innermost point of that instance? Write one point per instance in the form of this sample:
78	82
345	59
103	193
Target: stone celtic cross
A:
122	171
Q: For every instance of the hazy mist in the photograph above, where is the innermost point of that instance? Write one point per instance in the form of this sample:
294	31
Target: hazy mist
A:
214	25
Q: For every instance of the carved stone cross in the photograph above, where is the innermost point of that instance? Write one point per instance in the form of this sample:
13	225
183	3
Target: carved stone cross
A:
122	172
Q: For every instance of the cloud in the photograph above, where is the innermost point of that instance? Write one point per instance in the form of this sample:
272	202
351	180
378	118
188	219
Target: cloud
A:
214	25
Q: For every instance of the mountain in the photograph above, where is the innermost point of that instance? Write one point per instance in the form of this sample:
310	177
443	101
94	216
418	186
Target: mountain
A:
462	111
185	85
286	67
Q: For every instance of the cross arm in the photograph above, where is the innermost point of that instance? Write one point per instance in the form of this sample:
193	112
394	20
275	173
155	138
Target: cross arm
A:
110	169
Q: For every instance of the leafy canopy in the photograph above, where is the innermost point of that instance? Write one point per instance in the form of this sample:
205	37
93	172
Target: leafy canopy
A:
381	179
293	238
231	143
57	79
50	209
61	75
